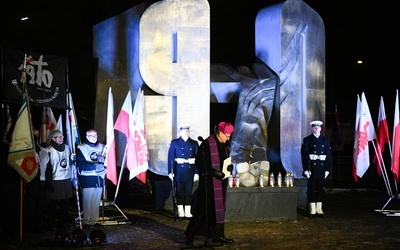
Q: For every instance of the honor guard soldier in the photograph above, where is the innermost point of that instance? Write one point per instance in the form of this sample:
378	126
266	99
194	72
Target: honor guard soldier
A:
316	160
182	169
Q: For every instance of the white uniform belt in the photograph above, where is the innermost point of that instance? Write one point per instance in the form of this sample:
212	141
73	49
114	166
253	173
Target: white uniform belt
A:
184	160
315	157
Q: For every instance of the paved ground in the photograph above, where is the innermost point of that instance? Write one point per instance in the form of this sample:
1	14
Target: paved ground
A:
351	223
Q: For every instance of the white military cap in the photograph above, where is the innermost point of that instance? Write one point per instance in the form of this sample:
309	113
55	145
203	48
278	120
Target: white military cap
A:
316	123
184	126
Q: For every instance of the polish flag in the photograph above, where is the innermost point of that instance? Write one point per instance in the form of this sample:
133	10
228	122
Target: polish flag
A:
396	140
110	161
124	124
382	135
366	133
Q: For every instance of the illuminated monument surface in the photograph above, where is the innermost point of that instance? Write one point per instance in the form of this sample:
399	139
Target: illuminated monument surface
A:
166	47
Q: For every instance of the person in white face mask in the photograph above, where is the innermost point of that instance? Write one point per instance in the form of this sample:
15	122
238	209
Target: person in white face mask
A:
91	171
316	160
182	170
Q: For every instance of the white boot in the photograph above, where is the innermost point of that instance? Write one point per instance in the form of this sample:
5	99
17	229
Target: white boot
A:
181	213
187	211
319	210
312	209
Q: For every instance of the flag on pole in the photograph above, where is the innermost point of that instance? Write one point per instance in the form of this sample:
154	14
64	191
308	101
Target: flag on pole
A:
59	124
355	148
382	136
366	133
22	154
140	139
124	124
110	161
396	139
72	131
49	123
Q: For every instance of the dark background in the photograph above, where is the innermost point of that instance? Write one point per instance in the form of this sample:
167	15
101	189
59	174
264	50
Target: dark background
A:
355	30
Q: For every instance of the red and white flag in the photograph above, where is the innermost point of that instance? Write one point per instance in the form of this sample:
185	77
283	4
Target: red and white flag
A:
366	133
124	124
49	124
110	161
355	148
382	136
396	140
141	165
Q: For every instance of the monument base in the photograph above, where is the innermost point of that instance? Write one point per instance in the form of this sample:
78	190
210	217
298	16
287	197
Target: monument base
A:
257	203
261	203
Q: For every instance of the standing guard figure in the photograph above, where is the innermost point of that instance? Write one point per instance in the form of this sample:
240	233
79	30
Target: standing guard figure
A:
316	160
182	169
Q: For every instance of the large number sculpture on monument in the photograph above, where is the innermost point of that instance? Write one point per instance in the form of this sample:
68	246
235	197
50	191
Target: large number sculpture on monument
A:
170	53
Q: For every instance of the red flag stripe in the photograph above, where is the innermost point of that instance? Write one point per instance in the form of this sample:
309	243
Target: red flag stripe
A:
396	140
110	161
382	136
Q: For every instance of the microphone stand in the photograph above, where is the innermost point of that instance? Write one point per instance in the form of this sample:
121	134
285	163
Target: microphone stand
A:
207	243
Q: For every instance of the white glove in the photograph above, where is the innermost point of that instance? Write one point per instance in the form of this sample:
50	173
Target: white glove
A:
307	174
99	168
101	159
171	176
326	174
192	160
73	157
180	160
195	177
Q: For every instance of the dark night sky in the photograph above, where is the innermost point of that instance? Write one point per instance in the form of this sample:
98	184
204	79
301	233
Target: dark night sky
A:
355	29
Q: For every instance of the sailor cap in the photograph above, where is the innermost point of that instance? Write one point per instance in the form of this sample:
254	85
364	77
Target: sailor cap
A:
316	123
184	126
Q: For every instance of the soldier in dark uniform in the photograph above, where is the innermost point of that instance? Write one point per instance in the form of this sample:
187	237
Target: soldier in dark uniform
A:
316	160
182	169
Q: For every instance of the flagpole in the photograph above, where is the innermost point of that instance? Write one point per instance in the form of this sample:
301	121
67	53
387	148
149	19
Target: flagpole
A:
21	208
122	170
72	152
382	167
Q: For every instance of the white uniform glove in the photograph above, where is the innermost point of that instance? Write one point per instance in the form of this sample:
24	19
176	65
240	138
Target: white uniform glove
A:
326	174
195	177
307	174
171	176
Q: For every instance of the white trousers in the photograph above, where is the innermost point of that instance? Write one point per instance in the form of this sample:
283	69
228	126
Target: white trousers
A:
91	198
